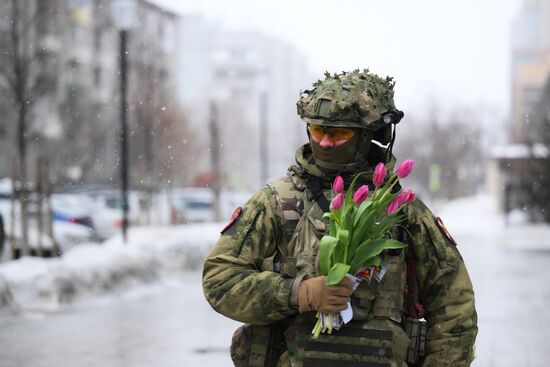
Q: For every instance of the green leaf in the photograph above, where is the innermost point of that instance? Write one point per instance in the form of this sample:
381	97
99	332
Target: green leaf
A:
372	248
343	236
333	228
336	217
326	248
349	194
341	247
373	261
337	273
360	232
361	211
386	224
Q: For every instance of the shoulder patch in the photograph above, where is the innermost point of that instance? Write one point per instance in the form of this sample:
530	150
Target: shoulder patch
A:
444	230
236	214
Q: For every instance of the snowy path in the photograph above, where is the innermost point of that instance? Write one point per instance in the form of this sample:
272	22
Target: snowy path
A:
162	324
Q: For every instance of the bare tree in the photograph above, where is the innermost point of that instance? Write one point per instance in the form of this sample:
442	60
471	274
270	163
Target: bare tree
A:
21	87
159	140
448	154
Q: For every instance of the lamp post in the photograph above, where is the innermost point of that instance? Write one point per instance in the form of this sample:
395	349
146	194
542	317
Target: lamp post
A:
264	149
123	16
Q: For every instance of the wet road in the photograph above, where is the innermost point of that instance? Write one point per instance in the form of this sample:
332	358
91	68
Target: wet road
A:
162	324
170	324
512	298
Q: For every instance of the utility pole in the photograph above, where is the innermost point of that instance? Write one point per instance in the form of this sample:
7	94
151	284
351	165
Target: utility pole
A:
264	155
215	159
124	131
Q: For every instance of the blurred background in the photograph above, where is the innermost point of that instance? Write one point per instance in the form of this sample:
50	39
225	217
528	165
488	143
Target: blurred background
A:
130	128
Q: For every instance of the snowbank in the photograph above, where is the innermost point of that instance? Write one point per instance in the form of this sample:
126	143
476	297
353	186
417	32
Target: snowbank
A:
35	283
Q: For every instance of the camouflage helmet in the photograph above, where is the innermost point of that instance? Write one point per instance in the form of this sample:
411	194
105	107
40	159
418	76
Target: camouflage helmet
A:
357	99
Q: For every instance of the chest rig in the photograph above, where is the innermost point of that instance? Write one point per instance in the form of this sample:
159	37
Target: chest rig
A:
375	337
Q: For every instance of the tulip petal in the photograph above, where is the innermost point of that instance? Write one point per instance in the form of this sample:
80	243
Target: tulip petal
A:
379	174
338	185
337	201
405	168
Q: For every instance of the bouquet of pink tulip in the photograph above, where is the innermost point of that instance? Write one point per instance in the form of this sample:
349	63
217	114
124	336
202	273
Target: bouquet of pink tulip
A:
359	223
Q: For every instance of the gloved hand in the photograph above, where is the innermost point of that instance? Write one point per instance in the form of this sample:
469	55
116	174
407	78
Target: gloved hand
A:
315	295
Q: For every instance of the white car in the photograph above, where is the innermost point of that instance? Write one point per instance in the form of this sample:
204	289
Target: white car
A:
72	220
106	211
192	205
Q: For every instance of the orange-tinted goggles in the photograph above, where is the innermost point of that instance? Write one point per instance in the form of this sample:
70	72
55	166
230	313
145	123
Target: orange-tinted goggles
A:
335	133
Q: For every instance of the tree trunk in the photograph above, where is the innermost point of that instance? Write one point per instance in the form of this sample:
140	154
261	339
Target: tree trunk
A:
49	212
11	236
20	78
40	206
24	193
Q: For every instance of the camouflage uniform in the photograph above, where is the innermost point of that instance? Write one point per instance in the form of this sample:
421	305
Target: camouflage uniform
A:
253	273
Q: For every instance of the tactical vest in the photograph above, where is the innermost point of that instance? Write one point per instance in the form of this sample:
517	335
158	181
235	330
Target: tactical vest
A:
375	337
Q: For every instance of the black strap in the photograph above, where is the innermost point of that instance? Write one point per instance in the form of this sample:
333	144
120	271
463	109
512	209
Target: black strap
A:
314	346
315	185
276	345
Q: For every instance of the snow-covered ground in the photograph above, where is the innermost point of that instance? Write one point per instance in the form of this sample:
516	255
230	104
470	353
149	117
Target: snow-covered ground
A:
478	217
89	269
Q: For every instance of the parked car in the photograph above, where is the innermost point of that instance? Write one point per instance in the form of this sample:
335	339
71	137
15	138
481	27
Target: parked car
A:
72	208
72	220
197	204
106	211
192	205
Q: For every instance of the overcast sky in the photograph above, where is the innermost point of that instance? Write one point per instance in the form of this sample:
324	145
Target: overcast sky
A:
452	52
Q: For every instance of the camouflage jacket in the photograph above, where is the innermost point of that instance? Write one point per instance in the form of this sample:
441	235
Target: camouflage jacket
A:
236	284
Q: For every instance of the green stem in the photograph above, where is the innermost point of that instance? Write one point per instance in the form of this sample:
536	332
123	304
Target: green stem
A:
317	329
388	190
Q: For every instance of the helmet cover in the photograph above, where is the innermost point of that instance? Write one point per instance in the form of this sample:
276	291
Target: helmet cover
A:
357	99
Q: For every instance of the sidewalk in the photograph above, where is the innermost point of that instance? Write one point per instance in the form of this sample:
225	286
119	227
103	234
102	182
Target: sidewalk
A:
508	266
478	217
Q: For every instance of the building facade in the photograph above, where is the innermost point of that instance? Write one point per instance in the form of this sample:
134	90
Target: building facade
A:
530	63
513	171
254	81
71	50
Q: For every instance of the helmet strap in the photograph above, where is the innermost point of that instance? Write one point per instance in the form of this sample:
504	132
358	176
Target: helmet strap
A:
388	155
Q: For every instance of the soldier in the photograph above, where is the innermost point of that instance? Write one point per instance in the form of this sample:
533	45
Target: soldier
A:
263	270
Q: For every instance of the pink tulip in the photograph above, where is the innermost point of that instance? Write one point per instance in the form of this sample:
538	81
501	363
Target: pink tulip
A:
405	168
361	194
338	185
379	174
337	201
405	197
394	205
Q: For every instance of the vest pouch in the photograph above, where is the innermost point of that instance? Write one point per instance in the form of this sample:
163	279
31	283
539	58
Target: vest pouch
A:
304	244
390	291
362	300
416	330
380	343
249	346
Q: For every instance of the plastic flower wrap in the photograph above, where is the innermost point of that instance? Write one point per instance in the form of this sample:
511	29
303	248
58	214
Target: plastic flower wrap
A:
359	222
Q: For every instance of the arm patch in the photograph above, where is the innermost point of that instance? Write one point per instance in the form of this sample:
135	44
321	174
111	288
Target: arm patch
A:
236	214
444	230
